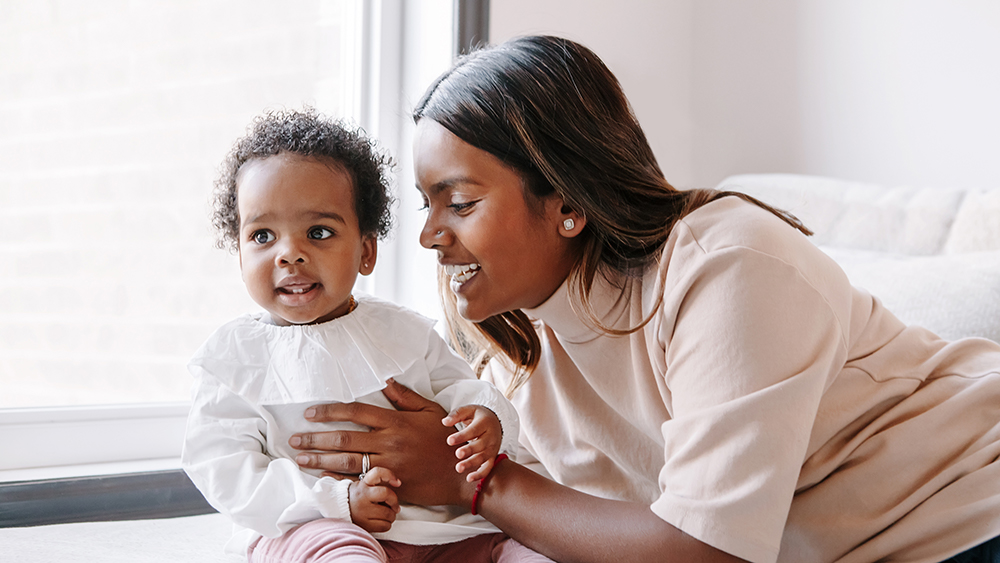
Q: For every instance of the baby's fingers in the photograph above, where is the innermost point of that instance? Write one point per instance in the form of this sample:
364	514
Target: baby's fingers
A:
379	518
383	497
461	414
477	462
482	472
381	476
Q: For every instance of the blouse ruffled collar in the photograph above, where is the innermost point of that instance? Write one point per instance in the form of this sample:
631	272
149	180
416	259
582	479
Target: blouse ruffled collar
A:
340	360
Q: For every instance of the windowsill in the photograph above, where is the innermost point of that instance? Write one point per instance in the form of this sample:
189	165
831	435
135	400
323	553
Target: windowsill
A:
65	441
89	470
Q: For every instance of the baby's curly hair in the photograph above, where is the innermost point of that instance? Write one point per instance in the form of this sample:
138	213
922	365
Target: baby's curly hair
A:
307	133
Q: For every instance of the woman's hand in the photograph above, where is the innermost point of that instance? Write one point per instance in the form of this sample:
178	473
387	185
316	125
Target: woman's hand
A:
411	442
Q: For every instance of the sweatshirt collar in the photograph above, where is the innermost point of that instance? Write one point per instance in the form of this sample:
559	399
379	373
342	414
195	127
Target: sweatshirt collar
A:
564	313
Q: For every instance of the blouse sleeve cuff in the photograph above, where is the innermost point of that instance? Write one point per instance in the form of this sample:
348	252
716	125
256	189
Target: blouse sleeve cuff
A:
333	498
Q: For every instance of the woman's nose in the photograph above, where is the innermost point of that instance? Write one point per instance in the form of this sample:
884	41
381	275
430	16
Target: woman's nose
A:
432	235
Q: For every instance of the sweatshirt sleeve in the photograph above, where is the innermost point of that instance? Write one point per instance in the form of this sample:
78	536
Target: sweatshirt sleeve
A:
224	455
754	345
455	385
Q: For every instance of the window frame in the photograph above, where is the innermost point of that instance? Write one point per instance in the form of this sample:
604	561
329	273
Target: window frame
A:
68	439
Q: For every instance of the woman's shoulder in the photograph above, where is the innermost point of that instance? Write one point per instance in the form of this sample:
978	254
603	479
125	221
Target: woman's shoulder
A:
733	223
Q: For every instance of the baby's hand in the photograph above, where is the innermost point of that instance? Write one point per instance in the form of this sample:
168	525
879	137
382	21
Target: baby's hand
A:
482	436
374	505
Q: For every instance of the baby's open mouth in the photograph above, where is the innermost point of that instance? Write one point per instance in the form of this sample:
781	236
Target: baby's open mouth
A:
297	289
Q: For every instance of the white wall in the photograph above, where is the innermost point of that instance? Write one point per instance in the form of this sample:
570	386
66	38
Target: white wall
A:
647	44
888	91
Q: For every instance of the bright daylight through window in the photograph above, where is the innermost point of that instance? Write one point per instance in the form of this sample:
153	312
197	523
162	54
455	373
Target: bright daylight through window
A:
114	117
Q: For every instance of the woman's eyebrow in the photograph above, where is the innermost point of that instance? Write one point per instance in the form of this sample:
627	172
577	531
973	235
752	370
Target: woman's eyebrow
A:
443	185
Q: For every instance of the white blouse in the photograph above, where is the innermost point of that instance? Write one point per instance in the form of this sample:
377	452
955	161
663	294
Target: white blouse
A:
253	382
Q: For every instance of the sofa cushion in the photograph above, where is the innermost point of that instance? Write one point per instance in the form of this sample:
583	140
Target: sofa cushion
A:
901	220
932	256
954	296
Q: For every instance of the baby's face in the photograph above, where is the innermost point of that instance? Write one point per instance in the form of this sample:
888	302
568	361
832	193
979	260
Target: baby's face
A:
300	247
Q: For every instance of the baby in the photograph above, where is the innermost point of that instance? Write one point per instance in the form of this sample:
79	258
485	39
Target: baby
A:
303	201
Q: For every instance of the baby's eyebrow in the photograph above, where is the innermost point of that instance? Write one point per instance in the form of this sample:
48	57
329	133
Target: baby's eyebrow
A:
257	218
328	215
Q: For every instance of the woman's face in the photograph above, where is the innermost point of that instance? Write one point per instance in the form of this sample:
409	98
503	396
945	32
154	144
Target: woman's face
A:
500	253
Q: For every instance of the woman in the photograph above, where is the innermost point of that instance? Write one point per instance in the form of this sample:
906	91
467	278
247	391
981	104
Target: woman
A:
695	380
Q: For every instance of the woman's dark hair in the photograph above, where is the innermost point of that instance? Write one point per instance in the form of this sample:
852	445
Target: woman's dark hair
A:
551	110
307	133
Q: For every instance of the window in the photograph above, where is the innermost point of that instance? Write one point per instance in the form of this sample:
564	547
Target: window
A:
115	117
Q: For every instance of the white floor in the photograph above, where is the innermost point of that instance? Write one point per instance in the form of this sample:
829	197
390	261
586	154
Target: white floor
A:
191	539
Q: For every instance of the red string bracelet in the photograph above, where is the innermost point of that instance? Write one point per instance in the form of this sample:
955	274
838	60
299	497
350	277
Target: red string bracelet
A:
482	483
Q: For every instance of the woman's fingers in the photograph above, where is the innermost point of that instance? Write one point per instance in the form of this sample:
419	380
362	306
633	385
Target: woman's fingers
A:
339	465
411	442
405	399
333	441
358	413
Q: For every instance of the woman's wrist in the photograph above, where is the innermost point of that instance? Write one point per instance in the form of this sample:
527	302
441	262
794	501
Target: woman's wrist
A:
482	483
465	491
490	488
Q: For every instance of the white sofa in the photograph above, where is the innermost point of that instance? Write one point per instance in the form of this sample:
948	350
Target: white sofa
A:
932	256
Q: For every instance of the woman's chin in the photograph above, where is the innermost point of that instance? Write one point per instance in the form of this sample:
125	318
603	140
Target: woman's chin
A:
470	312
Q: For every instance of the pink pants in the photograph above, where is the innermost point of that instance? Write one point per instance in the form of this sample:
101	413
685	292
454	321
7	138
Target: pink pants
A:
322	541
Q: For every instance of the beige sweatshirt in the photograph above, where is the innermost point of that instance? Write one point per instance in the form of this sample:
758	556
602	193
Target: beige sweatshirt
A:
769	408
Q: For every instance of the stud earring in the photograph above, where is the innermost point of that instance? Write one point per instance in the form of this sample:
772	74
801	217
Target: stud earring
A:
568	224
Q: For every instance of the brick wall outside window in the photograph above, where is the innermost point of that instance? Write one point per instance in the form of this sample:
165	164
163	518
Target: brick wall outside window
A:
114	118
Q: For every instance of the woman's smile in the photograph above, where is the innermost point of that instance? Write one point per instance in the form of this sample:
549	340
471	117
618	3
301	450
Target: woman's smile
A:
501	247
460	273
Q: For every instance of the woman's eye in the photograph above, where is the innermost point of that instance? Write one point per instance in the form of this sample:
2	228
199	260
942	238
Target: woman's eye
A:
462	206
320	233
262	237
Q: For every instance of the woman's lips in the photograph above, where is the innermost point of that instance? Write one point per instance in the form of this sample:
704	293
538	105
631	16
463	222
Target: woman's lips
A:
461	273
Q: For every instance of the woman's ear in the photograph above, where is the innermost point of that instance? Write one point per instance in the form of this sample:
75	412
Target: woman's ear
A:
369	251
571	222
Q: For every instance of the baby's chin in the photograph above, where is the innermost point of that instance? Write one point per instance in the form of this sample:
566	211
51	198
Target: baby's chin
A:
285	319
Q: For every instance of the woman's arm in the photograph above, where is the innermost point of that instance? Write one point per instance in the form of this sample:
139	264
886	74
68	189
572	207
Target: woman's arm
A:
560	522
570	526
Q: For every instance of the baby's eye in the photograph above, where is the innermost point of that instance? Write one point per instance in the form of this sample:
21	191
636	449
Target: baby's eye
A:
320	233
262	237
